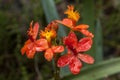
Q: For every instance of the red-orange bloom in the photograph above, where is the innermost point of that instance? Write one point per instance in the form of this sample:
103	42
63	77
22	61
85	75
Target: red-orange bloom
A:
70	22
32	45
75	52
49	53
50	31
49	34
74	15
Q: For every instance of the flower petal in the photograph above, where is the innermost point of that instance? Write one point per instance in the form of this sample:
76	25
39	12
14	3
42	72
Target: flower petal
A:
67	22
35	29
23	50
48	54
87	33
26	46
57	49
41	45
70	40
84	44
30	53
86	58
81	26
75	65
28	42
64	60
52	26
74	15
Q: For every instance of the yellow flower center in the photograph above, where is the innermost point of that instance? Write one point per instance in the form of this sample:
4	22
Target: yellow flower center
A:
48	34
74	15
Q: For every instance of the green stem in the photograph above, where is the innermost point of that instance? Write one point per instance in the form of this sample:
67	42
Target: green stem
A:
57	69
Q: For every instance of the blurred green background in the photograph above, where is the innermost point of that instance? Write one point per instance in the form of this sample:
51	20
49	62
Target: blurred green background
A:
103	16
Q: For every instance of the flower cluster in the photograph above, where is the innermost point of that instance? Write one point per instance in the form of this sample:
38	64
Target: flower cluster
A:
47	42
43	43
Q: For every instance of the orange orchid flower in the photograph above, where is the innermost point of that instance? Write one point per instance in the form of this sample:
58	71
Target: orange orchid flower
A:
75	54
49	53
49	34
74	15
72	19
32	45
50	31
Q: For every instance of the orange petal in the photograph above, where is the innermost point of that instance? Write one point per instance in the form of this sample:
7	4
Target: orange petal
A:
28	42
81	26
75	65
86	58
42	34
64	60
24	48
57	49
30	53
48	54
86	33
70	40
41	45
67	22
35	29
84	44
52	26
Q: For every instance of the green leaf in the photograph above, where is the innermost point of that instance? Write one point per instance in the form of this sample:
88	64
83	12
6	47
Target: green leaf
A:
98	33
98	42
51	14
97	71
49	10
88	15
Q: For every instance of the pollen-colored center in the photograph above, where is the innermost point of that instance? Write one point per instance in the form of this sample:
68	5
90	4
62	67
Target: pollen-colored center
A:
48	34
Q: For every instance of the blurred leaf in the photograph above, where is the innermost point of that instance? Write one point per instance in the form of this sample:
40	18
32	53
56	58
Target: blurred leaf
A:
97	71
98	33
88	15
98	42
51	14
50	10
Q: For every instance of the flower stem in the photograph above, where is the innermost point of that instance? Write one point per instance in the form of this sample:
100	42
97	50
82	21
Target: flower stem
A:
57	69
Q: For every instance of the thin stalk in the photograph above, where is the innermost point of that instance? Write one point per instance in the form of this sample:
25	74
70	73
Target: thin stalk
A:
57	69
36	66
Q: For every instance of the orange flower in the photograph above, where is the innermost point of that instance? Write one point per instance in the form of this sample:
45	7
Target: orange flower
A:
75	53
49	34
50	31
32	45
74	15
49	53
70	22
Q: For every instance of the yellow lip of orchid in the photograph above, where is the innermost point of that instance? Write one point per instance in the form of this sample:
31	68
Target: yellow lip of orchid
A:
74	15
50	31
48	34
